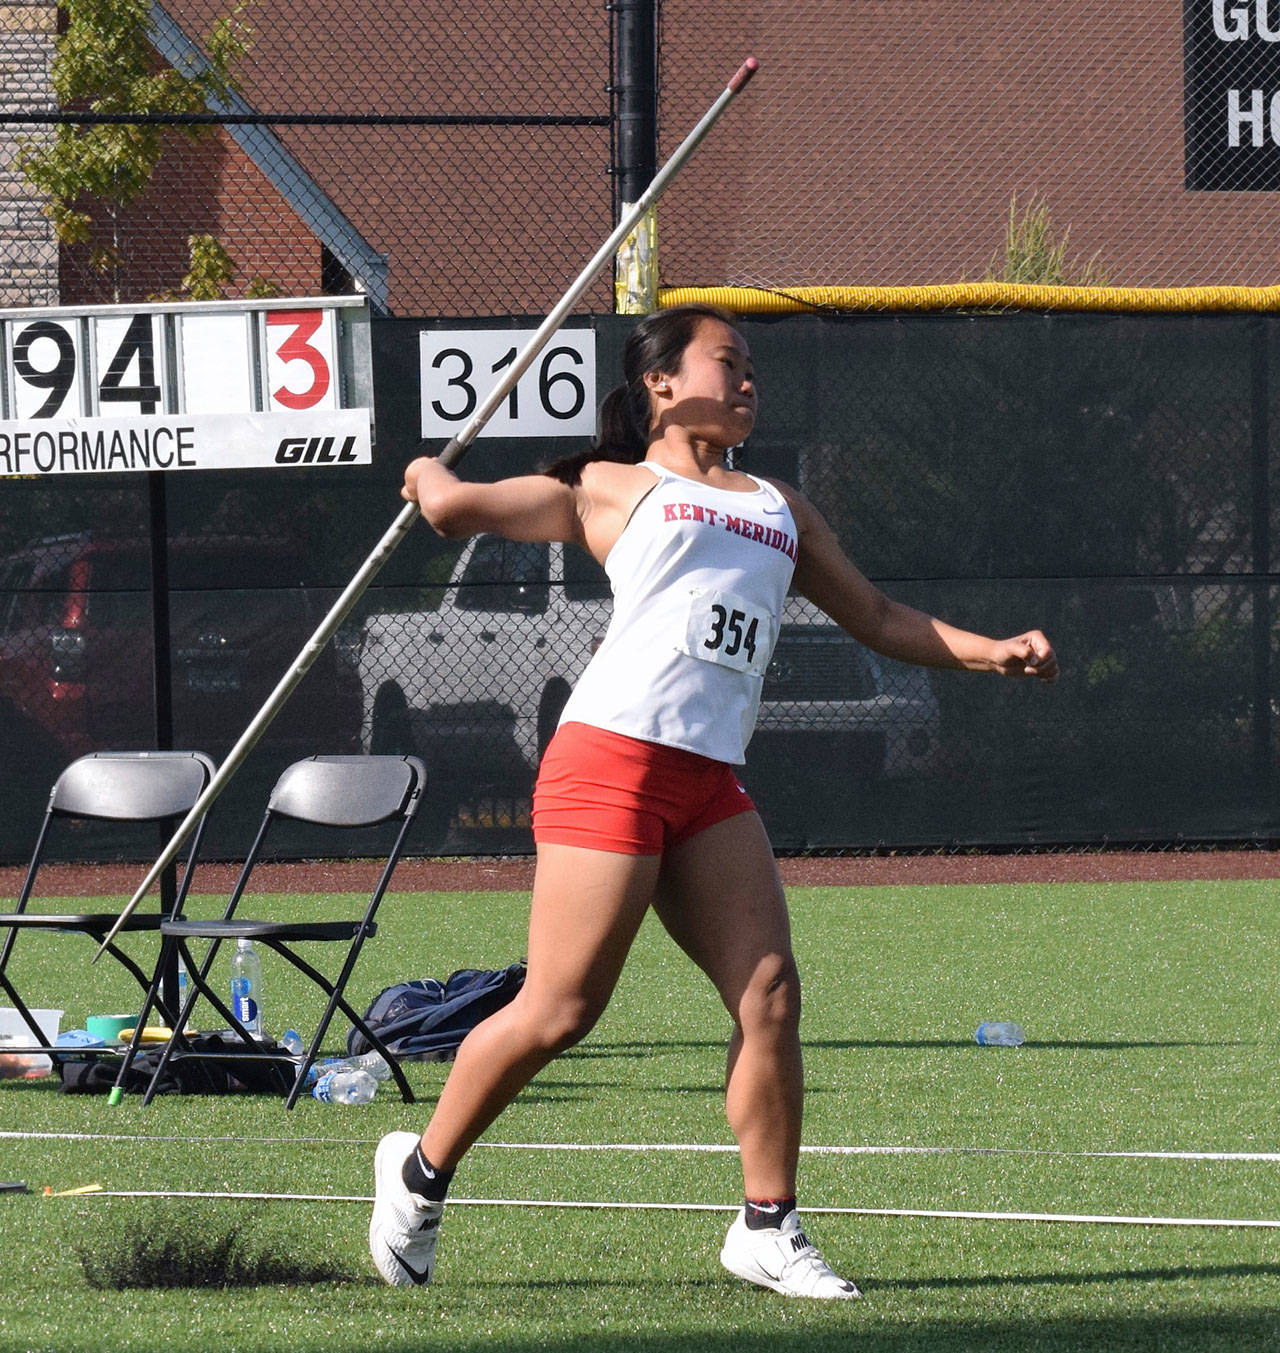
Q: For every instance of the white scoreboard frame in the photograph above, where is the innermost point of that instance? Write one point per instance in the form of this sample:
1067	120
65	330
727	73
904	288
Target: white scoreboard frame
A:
186	385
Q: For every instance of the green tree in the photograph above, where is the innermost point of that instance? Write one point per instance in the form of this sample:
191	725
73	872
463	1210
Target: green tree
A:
104	63
210	271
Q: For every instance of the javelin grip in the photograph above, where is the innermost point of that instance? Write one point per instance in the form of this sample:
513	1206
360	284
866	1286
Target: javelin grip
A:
449	457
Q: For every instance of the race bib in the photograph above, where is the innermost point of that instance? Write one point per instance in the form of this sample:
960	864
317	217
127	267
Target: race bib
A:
728	630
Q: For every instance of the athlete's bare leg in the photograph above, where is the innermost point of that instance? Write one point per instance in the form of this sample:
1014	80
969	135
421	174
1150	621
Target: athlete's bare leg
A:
722	901
586	908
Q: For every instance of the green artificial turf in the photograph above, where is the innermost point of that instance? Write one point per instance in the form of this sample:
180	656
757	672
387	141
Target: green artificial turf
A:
1150	1018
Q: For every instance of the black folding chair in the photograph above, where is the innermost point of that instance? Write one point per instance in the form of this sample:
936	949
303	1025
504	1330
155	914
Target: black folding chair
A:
117	787
342	792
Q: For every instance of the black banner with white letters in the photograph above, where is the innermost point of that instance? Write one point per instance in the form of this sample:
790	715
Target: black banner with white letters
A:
1231	91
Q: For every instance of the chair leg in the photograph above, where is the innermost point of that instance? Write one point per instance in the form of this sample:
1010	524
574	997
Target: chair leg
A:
198	978
335	996
406	1093
177	1041
149	1003
308	1061
337	1001
29	1019
140	977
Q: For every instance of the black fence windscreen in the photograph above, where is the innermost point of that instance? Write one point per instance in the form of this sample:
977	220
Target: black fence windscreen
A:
1105	478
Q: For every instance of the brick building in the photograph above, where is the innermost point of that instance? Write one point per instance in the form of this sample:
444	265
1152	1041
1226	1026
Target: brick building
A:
882	143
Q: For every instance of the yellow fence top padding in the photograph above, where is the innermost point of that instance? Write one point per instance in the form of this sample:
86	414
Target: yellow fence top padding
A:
973	296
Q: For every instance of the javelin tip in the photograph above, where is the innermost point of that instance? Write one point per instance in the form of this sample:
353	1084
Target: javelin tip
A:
745	72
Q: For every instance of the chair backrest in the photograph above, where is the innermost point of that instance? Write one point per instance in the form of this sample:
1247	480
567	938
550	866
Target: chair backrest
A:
131	786
126	787
349	791
342	791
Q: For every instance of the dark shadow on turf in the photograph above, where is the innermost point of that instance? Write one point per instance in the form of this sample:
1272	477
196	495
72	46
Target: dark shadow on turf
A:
590	1284
1163	1275
716	1089
535	1095
870	1286
858	1325
1119	1044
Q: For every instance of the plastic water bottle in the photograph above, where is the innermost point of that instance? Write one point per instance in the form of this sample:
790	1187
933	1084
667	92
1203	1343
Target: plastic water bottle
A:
291	1042
1000	1034
184	983
246	986
372	1063
346	1087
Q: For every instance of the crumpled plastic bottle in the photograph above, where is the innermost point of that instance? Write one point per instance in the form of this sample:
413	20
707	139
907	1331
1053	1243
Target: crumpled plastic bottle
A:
346	1087
1000	1034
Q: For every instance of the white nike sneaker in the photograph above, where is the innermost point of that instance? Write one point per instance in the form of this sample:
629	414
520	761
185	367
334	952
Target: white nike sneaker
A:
402	1230
784	1259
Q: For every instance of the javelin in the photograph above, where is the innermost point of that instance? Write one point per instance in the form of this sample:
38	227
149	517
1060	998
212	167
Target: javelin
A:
449	457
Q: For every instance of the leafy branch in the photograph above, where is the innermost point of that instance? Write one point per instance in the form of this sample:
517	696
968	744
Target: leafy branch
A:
104	63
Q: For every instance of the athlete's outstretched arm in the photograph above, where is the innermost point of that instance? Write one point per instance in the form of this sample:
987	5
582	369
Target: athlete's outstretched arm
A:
829	579
525	507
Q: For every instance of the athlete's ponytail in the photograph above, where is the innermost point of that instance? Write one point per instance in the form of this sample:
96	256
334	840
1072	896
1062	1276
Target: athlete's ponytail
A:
657	343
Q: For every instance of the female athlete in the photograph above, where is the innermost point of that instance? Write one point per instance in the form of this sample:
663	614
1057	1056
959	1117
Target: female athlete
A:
637	804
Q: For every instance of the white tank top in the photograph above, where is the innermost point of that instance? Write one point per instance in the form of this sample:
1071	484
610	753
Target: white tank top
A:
699	577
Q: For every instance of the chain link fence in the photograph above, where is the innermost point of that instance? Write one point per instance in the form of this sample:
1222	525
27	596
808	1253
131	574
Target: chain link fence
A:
886	144
463	159
1108	479
429	158
1105	477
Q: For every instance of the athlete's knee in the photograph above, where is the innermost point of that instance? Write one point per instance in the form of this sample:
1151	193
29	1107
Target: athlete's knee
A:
558	1023
770	1002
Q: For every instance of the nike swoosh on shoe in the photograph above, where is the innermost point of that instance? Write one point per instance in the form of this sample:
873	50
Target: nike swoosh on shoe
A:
416	1277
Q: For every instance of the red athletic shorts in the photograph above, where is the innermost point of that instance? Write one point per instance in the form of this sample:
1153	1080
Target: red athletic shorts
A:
610	792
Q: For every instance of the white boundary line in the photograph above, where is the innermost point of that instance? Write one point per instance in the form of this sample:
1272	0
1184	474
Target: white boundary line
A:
1270	1157
190	1140
559	1204
1263	1157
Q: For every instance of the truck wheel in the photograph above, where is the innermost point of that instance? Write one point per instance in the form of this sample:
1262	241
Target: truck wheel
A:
392	733
551	707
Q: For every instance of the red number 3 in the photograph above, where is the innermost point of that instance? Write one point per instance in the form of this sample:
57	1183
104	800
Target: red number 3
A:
295	348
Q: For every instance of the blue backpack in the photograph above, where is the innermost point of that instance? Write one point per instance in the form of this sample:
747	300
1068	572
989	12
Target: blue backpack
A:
425	1020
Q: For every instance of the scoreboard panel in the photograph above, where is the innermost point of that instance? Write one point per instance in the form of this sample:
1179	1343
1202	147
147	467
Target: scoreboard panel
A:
185	385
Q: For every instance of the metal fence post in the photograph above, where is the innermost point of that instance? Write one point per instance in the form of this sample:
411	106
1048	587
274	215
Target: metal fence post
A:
1260	461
